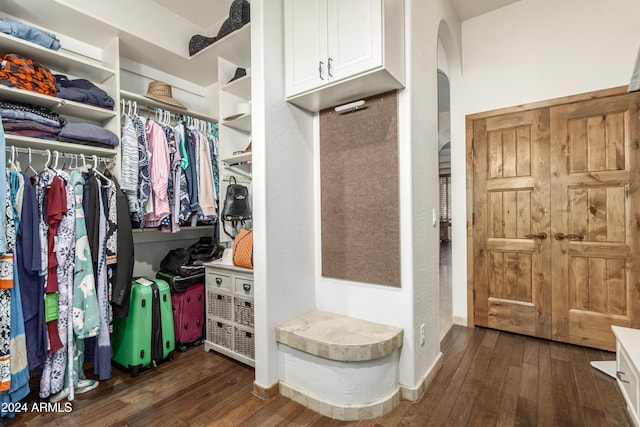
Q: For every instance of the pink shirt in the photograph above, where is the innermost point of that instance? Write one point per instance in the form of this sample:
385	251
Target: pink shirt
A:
159	166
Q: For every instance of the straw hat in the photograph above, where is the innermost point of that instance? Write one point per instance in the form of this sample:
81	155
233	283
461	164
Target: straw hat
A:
161	91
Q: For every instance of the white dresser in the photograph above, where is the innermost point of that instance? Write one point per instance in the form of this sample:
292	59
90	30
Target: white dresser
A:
625	368
229	309
627	363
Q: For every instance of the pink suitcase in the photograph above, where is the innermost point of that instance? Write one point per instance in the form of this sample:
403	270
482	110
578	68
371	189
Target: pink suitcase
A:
188	316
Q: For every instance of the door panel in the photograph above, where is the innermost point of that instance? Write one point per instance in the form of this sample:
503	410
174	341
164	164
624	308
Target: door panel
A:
354	37
307	19
594	166
511	209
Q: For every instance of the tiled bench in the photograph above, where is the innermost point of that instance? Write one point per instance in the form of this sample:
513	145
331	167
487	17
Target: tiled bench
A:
339	366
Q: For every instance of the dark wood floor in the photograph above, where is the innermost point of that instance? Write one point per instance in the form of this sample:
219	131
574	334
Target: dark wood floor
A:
487	378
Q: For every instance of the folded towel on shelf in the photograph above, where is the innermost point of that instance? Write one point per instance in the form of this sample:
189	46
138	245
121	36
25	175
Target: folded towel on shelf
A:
89	134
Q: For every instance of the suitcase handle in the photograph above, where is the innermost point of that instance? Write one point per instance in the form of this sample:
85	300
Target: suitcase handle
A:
246	287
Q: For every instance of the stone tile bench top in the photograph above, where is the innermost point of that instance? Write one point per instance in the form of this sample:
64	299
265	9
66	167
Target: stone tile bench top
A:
337	337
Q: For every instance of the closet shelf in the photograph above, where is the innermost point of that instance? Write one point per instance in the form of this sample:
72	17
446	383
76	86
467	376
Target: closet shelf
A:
242	122
63	147
150	235
58	105
201	68
237	158
140	99
58	61
240	87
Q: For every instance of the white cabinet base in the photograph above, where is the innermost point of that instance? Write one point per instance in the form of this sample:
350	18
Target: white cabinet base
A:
626	369
605	366
229	312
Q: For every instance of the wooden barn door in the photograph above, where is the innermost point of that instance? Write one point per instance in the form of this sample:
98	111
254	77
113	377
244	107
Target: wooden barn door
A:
511	232
595	216
556	219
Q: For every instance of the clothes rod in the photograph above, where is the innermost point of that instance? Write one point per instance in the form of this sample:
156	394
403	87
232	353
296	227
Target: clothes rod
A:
89	157
132	106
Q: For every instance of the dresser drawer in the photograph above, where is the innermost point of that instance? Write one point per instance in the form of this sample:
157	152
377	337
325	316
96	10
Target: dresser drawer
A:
243	286
628	379
217	279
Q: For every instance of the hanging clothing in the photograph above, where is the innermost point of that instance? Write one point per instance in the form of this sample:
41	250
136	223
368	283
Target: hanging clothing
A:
86	322
111	241
122	271
182	209
31	282
159	167
191	171
6	284
102	355
52	379
56	208
129	170
19	382
144	186
3	195
85	302
206	192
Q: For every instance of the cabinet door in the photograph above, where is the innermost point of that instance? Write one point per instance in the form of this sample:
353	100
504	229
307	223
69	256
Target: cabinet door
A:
354	37
305	45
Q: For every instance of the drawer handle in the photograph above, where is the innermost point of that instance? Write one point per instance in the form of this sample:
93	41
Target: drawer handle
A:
619	374
246	287
218	280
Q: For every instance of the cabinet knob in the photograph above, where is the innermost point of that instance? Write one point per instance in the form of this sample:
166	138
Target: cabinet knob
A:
218	280
246	287
329	67
320	70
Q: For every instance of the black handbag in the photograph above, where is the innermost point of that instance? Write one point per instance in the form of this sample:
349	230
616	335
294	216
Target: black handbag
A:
236	209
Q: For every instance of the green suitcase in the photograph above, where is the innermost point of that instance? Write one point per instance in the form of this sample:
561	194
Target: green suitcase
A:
145	337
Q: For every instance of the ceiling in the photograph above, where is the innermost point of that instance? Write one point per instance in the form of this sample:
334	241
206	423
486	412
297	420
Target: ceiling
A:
468	9
205	13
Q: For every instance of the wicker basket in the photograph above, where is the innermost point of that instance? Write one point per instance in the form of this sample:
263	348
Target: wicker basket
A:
219	305
219	333
244	311
244	343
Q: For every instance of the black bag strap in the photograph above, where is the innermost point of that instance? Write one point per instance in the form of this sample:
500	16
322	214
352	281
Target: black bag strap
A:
234	225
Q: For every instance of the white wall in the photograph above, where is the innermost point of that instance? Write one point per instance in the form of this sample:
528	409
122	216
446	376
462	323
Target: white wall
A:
534	50
416	302
282	192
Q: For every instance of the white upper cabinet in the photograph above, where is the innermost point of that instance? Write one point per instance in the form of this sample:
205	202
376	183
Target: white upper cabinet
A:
339	50
354	37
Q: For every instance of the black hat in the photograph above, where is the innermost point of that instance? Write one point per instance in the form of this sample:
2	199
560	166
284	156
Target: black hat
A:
240	72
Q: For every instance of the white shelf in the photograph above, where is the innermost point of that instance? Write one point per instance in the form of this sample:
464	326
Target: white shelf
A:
201	68
140	99
62	147
58	61
58	105
240	87
151	235
242	123
237	158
